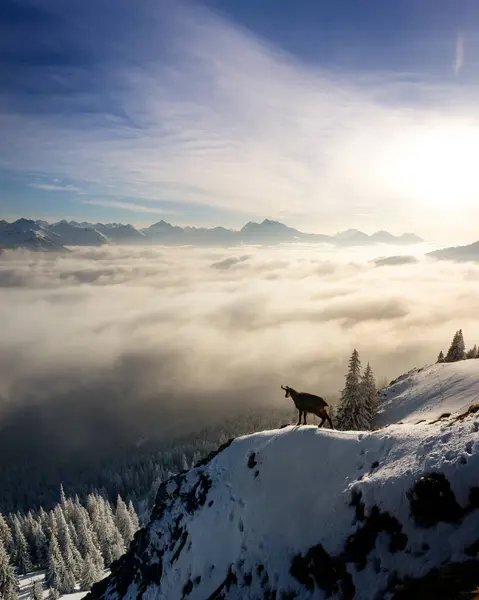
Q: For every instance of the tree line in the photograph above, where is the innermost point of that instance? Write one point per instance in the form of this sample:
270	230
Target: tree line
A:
74	543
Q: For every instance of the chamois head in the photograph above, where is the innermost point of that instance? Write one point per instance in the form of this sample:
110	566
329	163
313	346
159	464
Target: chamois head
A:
287	389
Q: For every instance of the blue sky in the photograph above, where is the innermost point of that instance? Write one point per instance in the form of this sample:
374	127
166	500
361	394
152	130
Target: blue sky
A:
325	114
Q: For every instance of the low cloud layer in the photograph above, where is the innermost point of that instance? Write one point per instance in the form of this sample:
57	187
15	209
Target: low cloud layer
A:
119	343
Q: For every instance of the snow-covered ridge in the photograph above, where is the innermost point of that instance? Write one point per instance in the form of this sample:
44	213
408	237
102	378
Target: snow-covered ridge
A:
72	233
302	512
428	392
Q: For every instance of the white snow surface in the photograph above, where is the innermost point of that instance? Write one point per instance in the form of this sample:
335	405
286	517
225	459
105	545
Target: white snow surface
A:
276	494
429	392
26	582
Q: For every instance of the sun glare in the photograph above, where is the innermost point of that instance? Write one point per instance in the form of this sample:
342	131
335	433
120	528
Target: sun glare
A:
441	166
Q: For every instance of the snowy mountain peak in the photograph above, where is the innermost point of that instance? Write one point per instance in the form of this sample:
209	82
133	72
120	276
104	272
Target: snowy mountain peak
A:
73	233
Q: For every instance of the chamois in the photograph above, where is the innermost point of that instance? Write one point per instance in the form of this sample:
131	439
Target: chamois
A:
309	403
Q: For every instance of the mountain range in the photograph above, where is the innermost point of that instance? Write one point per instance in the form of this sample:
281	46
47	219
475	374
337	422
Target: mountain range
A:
43	236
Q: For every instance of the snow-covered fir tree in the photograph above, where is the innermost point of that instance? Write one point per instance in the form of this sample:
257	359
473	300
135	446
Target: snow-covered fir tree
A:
87	540
369	393
133	516
110	540
55	574
90	573
124	521
353	412
457	349
440	357
53	594
40	541
36	592
115	545
70	554
21	552
5	533
8	579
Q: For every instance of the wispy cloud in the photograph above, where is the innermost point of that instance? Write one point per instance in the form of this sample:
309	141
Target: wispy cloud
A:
459	53
205	113
132	206
52	187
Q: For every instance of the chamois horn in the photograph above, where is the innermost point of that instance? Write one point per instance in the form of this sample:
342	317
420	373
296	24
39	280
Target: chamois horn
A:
285	388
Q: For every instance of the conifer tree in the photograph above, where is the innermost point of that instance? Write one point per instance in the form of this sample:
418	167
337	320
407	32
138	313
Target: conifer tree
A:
43	518
21	550
63	498
40	542
353	412
472	353
109	537
69	583
8	580
70	554
457	350
123	521
53	594
37	590
90	573
5	533
32	533
133	516
369	393
55	568
440	357
87	540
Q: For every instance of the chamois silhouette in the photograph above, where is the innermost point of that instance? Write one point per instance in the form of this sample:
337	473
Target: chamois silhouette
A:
309	403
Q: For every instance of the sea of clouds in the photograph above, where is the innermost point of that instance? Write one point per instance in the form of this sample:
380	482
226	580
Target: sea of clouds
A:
133	340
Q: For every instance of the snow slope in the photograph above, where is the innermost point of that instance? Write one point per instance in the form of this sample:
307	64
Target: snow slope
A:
25	583
302	512
429	392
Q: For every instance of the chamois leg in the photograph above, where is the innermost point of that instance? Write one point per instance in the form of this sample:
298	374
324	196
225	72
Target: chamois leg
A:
329	421
304	417
300	415
322	422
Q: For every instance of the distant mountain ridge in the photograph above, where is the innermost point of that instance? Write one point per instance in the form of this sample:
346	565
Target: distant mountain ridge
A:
43	236
457	253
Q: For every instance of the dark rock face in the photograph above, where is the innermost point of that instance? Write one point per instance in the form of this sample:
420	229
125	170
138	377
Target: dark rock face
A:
432	501
318	568
454	581
252	461
362	542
